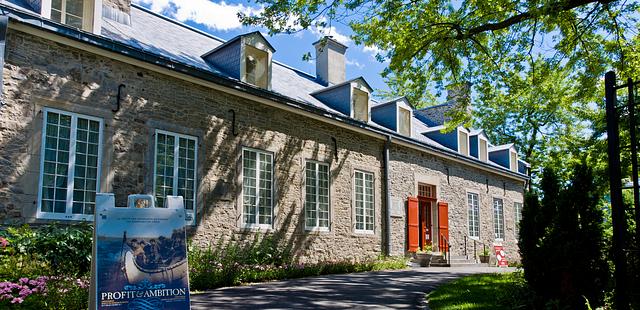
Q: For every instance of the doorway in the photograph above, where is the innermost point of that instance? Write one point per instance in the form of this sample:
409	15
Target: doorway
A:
428	216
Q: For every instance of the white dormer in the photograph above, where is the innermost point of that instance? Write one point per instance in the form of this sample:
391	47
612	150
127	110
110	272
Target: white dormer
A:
246	57
479	145
395	114
457	139
350	98
505	156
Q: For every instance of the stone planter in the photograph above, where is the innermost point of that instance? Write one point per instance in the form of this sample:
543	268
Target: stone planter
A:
484	259
424	259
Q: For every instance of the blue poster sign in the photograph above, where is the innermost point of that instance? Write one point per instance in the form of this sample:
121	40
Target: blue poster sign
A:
140	255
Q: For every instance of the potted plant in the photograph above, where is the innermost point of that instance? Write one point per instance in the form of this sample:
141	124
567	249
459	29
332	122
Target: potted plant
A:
484	256
423	256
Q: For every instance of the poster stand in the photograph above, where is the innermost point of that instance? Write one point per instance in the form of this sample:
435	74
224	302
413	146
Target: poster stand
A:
139	254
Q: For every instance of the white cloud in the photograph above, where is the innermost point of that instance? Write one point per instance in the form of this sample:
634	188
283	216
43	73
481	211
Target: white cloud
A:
214	15
354	63
372	49
330	31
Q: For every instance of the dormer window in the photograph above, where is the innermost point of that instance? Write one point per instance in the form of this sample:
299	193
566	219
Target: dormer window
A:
404	122
463	143
483	150
360	105
75	13
246	57
514	161
256	67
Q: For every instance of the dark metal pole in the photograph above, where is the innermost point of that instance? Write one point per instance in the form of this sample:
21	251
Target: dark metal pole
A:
634	154
615	185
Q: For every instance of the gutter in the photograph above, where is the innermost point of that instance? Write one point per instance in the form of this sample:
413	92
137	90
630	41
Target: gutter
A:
4	25
387	187
35	21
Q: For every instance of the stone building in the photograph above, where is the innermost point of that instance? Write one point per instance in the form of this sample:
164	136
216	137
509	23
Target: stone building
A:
106	96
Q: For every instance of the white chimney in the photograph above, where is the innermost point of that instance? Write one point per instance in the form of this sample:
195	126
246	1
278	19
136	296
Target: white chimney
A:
330	61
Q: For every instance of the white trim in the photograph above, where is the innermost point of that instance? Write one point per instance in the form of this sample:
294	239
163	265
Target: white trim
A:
68	215
493	209
364	209
317	226
469	218
176	152
256	225
398	108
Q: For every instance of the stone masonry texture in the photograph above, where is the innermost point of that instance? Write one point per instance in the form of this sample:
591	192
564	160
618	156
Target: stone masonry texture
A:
39	73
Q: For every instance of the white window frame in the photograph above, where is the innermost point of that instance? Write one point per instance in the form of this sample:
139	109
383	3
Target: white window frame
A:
373	202
466	142
257	224
469	219
399	120
495	220
317	206
513	160
190	213
88	12
486	149
354	91
518	217
68	215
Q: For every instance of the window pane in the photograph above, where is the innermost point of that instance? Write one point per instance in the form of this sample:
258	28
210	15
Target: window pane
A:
498	215
164	167
85	170
74	7
364	201
187	173
474	214
317	195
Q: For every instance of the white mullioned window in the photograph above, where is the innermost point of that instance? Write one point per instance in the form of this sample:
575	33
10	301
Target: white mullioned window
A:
75	13
518	213
364	206
474	215
256	67
257	188
316	202
71	154
176	156
498	218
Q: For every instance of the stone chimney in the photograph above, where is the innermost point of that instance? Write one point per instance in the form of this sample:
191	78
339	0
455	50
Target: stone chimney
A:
118	10
330	61
458	94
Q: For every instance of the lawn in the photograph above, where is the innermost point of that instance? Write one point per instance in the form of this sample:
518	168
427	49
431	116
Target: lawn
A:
484	291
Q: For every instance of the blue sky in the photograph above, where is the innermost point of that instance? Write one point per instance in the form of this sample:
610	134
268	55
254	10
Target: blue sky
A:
220	19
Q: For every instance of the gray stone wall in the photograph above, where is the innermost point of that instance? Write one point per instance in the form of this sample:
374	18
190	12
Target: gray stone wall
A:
41	73
408	167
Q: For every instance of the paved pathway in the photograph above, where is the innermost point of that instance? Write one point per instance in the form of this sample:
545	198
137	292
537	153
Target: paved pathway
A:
377	290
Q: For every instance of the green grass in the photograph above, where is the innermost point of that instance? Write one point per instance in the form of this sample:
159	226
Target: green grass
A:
485	291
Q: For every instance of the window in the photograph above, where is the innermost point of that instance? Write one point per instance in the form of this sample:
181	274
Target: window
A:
69	165
482	152
257	189
474	215
463	143
360	105
498	218
75	13
364	201
514	161
316	204
426	190
175	168
518	212
256	67
404	122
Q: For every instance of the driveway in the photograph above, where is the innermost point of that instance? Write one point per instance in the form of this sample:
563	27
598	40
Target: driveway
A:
377	290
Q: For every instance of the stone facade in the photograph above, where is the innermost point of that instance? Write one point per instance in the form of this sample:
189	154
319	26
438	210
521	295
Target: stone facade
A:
41	73
453	181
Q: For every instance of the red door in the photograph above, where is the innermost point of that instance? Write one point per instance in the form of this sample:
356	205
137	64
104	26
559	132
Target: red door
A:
443	224
412	224
425	222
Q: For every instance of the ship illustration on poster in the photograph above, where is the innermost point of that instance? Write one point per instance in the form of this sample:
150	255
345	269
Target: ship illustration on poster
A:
141	259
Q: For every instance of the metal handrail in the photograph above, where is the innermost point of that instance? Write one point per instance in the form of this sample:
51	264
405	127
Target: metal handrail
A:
446	245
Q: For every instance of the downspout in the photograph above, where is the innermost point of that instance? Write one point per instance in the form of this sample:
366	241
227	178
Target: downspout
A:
4	24
387	190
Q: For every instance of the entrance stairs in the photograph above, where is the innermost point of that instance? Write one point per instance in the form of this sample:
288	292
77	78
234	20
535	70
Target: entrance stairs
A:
456	261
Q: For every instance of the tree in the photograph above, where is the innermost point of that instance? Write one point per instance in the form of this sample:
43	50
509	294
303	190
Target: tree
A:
562	242
536	62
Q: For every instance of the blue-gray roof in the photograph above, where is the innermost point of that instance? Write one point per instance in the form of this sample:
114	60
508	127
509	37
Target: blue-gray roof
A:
183	44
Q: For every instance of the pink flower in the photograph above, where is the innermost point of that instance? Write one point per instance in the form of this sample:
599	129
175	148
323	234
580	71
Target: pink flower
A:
4	242
17	300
